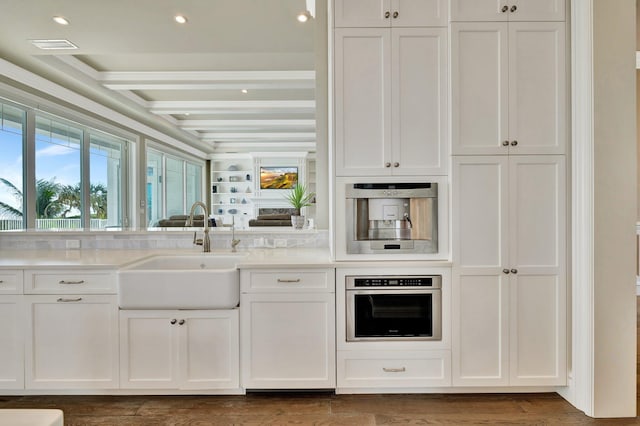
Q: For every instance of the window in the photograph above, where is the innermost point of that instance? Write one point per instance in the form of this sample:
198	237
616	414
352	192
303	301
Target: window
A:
106	194
12	134
173	185
76	175
59	198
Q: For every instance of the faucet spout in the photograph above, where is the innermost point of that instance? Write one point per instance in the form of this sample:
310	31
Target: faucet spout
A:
205	242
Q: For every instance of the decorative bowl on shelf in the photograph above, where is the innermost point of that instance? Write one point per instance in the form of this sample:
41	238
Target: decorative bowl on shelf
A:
232	211
232	168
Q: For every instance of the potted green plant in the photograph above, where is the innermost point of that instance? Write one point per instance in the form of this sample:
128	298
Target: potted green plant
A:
299	197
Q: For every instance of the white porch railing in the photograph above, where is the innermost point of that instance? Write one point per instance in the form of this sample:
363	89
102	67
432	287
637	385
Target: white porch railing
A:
61	223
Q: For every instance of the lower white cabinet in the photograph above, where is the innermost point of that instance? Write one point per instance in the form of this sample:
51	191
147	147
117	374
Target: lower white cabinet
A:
11	342
509	305
288	329
71	342
394	369
173	349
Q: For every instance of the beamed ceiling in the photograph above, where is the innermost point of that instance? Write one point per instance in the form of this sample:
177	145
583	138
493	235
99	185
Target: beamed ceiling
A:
238	76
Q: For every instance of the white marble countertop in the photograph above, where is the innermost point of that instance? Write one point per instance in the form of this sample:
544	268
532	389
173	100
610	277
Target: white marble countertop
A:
252	258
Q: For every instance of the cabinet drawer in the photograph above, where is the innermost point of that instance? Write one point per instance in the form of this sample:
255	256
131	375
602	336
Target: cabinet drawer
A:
10	281
288	280
70	282
392	369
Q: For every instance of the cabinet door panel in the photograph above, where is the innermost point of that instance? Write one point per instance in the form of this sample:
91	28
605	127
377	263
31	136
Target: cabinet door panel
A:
537	10
289	341
481	330
419	13
478	10
479	74
538	324
537	88
148	350
362	101
361	13
480	218
72	344
11	342
537	213
419	104
209	350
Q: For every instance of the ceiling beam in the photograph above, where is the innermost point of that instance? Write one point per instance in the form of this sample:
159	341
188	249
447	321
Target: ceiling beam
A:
302	124
249	136
218	107
108	77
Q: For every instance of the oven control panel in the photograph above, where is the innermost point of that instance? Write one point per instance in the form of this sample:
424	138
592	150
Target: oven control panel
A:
432	281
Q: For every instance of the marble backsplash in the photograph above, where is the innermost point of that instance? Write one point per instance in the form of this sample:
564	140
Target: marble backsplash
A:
162	239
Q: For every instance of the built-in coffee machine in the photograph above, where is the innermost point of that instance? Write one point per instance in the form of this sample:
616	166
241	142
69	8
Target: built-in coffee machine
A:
392	217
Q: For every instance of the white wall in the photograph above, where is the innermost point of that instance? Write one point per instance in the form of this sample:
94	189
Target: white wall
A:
615	213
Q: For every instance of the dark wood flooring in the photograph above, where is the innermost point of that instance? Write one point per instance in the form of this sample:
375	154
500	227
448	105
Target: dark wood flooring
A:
315	409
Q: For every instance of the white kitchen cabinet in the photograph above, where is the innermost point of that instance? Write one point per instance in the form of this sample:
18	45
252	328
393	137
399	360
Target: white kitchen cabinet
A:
390	13
288	329
509	275
507	10
391	101
11	342
508	86
71	281
179	349
393	369
72	342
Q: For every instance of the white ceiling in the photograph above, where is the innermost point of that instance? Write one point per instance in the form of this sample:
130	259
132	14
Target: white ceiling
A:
185	80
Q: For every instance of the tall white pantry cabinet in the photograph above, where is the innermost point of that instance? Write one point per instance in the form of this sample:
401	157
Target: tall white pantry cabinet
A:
509	196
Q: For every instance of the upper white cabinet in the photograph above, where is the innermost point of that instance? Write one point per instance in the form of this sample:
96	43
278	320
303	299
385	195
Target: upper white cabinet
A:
508	10
390	13
509	89
509	275
391	101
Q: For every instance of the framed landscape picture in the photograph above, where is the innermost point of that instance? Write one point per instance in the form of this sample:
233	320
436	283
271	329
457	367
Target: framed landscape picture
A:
278	177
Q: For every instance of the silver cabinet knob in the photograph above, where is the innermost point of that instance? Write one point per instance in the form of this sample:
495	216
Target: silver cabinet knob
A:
505	143
396	164
395	14
514	271
505	8
514	143
173	321
505	271
387	14
181	322
387	164
514	8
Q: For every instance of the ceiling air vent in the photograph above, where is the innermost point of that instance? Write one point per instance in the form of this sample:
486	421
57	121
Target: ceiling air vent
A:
53	44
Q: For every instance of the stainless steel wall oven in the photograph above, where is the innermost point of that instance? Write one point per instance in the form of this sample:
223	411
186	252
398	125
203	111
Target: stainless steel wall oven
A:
394	307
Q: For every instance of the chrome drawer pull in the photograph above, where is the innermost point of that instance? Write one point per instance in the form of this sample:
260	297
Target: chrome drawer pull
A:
62	299
394	370
280	280
71	282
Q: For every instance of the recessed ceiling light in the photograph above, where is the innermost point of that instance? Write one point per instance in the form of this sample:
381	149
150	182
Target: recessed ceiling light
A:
61	20
244	91
180	19
303	16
